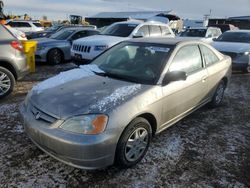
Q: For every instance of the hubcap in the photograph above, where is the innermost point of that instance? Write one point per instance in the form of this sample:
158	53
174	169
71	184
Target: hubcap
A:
5	83
136	144
219	94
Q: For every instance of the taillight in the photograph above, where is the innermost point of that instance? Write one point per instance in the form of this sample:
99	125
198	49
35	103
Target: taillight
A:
17	45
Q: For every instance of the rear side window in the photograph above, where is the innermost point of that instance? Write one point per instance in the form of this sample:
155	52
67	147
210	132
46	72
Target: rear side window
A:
187	59
37	24
165	30
144	30
155	30
209	56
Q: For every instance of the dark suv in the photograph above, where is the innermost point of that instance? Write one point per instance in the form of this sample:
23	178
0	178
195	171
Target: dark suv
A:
13	64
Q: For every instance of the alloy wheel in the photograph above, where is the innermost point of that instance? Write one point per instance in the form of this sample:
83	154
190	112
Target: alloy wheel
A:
136	144
5	83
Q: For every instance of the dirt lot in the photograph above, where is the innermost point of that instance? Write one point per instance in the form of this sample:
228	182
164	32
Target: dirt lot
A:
210	148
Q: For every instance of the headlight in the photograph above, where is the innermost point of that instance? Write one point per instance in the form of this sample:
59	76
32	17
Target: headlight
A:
101	48
86	124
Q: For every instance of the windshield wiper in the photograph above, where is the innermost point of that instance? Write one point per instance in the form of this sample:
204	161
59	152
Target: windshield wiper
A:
115	76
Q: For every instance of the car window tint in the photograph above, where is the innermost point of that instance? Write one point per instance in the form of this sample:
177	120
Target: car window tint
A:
144	30
209	56
78	35
24	24
187	59
155	30
165	30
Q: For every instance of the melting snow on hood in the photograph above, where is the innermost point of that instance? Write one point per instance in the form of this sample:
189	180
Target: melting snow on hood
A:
67	76
119	94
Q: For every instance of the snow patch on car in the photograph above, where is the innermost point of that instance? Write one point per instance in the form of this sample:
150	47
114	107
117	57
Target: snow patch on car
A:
119	94
67	76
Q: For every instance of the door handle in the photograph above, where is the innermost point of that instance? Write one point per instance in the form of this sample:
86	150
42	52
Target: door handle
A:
204	79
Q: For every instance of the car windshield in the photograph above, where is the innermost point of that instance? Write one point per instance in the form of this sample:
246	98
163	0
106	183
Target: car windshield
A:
62	35
194	33
243	37
37	24
134	62
119	30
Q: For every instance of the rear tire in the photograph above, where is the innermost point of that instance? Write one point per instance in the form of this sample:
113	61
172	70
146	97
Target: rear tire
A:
55	57
218	95
7	82
133	143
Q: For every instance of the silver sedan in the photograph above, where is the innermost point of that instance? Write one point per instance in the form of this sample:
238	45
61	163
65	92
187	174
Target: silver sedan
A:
56	48
108	111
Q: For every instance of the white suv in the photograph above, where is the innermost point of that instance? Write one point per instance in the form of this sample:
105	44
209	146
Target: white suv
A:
26	25
84	50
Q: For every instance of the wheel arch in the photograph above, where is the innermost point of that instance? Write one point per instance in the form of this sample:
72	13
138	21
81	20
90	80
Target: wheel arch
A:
55	48
9	66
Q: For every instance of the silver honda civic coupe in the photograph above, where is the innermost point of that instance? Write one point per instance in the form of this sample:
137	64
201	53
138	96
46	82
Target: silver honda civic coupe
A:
107	112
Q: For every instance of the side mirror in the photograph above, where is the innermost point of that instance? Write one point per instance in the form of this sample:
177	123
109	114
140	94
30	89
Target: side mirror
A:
174	76
138	35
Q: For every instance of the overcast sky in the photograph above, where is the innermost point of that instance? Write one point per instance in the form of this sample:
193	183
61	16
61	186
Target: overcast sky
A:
193	9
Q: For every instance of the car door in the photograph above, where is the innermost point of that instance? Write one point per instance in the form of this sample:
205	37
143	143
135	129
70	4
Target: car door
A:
180	97
214	67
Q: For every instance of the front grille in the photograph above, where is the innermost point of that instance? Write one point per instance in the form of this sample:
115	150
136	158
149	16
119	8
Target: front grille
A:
80	48
40	115
231	54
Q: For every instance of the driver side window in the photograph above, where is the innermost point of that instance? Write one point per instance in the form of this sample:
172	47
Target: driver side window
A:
79	34
187	59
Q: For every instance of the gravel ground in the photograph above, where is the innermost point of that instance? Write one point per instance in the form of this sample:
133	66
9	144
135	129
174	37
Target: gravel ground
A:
209	148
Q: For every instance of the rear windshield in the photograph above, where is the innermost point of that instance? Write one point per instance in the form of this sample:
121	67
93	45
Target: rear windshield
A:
37	24
243	37
119	30
194	33
6	34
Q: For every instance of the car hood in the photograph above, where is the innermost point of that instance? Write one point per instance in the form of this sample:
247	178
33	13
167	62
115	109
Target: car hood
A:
93	94
236	47
100	40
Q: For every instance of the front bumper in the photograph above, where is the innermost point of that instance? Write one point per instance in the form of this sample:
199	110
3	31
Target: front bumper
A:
77	150
239	66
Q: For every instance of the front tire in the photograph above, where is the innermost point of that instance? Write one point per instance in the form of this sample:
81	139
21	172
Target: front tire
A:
7	82
134	143
55	57
218	95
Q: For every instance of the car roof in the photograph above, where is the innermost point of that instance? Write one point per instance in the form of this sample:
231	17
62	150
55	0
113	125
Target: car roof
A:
238	31
130	22
168	41
78	29
32	21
